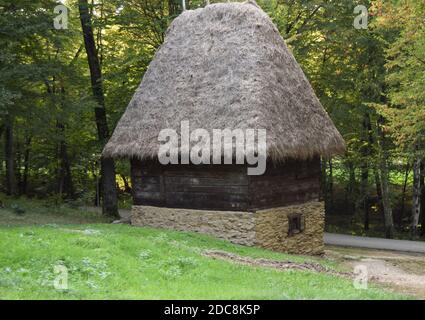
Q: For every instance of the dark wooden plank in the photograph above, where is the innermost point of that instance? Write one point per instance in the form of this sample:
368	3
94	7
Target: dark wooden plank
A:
207	181
265	187
149	187
213	168
207	189
207	201
149	179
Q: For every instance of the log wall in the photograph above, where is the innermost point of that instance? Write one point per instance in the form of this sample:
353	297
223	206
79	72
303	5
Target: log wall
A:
224	187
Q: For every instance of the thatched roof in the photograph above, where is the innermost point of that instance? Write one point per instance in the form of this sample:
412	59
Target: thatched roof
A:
226	66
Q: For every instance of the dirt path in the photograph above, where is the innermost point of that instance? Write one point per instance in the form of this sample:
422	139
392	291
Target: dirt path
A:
275	264
400	272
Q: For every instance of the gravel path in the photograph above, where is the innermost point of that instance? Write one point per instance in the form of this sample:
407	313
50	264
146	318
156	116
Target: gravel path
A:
374	243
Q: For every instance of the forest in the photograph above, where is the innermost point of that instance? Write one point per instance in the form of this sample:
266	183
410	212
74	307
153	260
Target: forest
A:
68	74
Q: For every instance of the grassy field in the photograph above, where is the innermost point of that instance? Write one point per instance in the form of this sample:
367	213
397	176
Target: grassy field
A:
106	261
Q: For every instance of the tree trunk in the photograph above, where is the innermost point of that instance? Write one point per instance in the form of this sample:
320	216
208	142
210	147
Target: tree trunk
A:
365	195
364	183
384	180
97	196
330	190
9	155
109	188
323	180
127	187
107	167
65	183
386	202
378	192
403	196
324	191
351	189
24	187
422	214
18	165
173	8
417	194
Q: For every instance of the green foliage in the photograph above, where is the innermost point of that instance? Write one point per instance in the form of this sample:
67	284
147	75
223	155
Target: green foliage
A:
406	75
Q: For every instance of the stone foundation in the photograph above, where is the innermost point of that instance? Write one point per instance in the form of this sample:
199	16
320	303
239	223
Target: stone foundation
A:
271	229
264	228
237	227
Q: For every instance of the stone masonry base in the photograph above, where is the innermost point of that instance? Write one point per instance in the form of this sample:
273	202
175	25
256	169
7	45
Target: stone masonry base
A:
264	228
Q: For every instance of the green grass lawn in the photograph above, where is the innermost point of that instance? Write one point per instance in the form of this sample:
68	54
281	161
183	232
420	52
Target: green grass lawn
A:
106	261
120	262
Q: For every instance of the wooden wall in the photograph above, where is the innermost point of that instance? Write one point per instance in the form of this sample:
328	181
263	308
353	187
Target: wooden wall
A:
224	187
293	182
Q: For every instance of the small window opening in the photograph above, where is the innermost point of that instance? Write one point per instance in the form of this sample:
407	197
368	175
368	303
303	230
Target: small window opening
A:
295	224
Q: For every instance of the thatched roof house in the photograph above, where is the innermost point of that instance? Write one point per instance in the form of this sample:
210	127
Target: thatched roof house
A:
226	66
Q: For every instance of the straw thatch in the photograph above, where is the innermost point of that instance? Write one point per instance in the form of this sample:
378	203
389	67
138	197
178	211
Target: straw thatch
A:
226	66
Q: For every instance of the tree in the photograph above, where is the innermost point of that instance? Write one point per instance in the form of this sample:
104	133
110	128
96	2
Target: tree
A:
384	181
9	153
406	69
110	203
